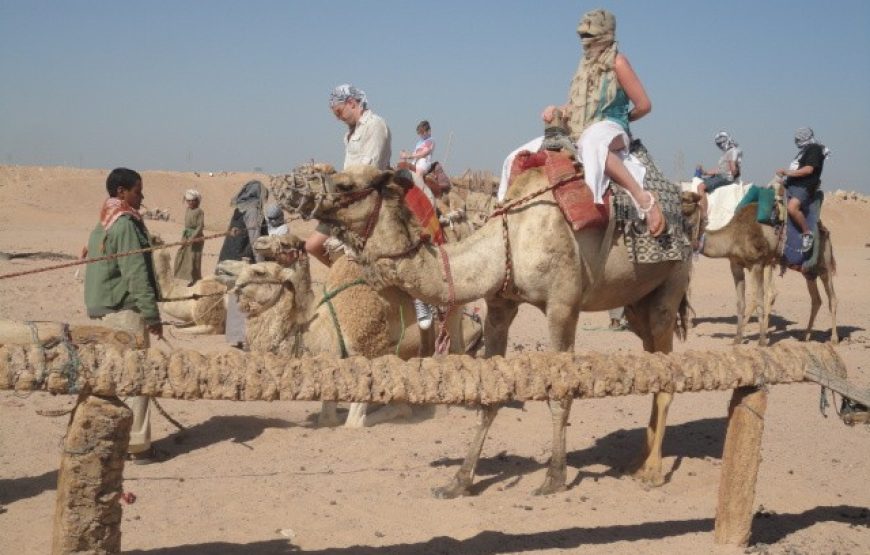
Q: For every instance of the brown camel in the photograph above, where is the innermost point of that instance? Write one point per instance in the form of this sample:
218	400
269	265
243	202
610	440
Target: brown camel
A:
748	245
543	263
199	306
285	315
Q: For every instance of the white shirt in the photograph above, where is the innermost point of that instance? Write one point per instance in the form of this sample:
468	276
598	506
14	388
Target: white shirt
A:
369	143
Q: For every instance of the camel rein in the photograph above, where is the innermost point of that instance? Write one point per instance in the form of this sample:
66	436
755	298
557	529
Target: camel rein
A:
82	261
506	209
327	298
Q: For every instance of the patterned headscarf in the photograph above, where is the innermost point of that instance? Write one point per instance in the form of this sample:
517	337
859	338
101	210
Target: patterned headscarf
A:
113	208
344	92
597	30
192	194
724	141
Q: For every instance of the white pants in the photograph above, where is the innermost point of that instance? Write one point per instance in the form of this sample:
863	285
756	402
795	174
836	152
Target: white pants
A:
140	432
592	148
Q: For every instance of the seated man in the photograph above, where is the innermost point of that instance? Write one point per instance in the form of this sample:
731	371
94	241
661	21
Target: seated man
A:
802	179
725	173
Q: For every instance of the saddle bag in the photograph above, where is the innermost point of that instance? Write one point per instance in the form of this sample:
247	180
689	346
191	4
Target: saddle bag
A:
437	180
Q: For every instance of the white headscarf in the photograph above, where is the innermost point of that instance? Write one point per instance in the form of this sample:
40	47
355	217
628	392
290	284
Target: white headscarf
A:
346	91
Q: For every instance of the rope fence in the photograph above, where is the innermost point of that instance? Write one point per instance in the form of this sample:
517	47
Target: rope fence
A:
80	262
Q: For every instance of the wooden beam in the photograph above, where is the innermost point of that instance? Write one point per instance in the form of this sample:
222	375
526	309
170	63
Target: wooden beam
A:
87	513
454	379
741	458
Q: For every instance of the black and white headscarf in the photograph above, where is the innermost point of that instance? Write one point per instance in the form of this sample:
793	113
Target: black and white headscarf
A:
724	141
803	138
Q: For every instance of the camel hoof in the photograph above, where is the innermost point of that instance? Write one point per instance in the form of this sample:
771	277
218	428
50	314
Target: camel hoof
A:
450	491
649	477
355	423
550	487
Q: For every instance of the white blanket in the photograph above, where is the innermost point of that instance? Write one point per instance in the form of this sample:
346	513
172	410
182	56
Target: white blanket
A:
721	203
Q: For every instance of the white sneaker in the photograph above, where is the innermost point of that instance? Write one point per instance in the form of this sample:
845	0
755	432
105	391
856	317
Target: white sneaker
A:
424	315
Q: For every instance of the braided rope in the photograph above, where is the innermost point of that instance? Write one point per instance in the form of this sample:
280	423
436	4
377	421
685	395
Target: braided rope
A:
116	255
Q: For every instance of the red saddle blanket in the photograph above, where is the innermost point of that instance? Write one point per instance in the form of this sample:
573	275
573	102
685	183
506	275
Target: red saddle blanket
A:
419	204
572	194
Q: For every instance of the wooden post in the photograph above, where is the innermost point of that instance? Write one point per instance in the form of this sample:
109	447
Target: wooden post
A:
740	460
87	514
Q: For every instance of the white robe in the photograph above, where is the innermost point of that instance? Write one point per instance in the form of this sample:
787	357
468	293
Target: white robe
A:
592	148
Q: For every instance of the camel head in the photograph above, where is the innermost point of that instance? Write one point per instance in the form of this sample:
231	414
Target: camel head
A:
261	286
286	250
353	201
694	222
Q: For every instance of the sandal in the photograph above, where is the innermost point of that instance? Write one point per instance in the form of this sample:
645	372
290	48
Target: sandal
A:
653	208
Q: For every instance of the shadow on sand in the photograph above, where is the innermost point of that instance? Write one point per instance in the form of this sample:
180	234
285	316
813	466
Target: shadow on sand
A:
238	429
15	489
767	528
698	439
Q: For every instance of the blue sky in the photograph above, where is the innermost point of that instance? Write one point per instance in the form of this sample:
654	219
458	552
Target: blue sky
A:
218	85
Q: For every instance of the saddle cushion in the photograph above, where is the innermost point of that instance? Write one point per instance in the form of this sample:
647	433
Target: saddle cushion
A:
792	254
573	195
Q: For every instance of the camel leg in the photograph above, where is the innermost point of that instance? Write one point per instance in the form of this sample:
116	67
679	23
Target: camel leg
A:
653	320
740	286
828	283
358	418
757	273
328	416
554	481
460	483
815	304
562	324
356	415
499	315
649	468
752	303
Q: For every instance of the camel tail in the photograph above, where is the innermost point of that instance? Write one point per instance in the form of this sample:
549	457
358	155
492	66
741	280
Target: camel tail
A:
683	320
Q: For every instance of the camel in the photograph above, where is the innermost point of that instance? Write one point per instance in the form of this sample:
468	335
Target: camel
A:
749	245
285	316
200	306
542	262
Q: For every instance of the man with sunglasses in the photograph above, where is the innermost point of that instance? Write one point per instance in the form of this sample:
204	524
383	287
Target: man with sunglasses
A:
366	142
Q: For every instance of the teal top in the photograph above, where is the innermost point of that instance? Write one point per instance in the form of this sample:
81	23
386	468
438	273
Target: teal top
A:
617	110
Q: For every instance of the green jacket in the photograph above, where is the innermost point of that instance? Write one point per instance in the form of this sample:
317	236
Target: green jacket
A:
124	283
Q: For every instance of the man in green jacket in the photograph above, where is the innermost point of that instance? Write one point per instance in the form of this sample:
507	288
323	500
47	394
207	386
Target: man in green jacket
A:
122	291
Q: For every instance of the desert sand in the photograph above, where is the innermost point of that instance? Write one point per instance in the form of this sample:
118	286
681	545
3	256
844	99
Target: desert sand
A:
261	478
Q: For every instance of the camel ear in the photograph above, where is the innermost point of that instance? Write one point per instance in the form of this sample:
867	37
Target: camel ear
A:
404	179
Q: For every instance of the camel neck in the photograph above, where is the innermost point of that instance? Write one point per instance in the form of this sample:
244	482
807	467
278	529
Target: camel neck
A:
477	268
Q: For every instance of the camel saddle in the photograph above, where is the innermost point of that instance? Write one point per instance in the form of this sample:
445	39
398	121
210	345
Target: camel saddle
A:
570	190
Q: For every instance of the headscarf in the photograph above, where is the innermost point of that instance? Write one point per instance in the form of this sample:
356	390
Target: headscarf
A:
346	91
596	69
803	138
253	194
724	141
250	201
274	215
112	209
192	194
